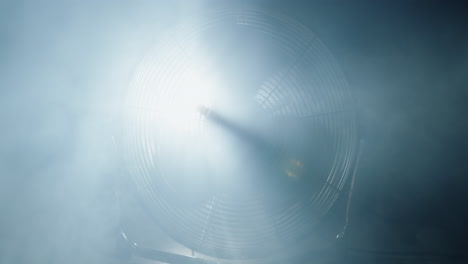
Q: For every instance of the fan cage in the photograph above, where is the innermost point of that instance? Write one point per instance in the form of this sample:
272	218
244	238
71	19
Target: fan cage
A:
314	89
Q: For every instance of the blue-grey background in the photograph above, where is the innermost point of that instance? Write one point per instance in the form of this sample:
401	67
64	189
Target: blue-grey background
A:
65	64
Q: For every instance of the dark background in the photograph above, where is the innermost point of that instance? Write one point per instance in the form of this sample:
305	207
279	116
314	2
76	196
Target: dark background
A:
64	66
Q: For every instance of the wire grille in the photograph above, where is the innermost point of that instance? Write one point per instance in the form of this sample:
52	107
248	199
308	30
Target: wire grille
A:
308	103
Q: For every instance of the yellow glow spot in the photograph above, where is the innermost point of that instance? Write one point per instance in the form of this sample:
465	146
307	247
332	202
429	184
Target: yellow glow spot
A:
291	174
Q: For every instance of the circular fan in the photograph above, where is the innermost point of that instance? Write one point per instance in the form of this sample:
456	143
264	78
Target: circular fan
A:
240	130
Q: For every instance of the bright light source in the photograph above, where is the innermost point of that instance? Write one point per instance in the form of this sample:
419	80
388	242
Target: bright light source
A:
180	108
